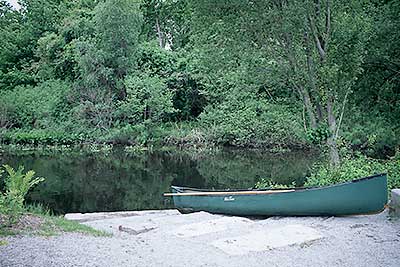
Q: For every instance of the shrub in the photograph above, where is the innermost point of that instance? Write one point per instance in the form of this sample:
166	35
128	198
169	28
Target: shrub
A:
268	184
36	107
41	137
372	134
16	186
148	98
354	167
248	121
6	114
185	134
128	135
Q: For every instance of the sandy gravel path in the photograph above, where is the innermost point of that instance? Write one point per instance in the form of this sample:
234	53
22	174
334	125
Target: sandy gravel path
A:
166	238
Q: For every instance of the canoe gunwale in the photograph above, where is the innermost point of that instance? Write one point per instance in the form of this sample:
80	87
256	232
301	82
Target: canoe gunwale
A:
206	192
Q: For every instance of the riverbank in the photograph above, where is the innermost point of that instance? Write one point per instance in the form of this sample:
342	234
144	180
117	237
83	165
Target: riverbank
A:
179	135
167	238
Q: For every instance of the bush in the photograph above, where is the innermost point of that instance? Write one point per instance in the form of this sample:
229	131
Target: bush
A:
148	98
6	114
16	186
185	134
372	134
36	107
129	134
354	167
41	137
248	121
268	184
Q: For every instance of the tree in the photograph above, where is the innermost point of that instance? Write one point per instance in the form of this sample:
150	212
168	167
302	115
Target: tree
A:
167	21
380	83
318	49
117	26
13	45
314	48
106	57
148	98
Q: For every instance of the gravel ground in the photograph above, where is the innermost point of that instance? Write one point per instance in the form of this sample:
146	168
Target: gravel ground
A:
372	240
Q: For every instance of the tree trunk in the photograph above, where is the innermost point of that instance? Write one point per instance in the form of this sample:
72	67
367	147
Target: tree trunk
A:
312	81
309	108
307	104
159	34
331	142
333	152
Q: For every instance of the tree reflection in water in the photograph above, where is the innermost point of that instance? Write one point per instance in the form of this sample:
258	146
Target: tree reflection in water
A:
114	181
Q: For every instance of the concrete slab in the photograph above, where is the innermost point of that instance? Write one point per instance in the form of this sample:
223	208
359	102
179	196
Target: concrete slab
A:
143	220
211	226
86	217
186	218
267	239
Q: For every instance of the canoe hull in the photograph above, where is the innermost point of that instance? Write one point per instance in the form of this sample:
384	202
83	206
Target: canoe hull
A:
363	196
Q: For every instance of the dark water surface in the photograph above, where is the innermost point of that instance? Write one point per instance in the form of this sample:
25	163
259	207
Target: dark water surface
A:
117	180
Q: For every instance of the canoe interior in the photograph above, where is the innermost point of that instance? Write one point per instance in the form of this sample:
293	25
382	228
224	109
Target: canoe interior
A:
180	189
360	196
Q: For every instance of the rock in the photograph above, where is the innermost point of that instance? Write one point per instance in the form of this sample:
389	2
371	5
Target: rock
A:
133	231
395	201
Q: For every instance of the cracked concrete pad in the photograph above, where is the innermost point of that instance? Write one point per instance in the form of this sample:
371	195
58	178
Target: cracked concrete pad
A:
266	239
211	226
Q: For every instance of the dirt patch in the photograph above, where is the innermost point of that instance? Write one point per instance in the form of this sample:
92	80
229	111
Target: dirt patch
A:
29	222
26	222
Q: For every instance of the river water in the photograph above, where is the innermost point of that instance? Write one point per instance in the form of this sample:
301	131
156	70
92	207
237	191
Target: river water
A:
118	180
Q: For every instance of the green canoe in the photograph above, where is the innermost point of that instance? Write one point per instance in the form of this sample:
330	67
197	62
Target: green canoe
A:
363	196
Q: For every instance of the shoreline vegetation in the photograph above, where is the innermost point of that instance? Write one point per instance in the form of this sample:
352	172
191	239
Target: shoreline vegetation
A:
105	148
164	135
354	166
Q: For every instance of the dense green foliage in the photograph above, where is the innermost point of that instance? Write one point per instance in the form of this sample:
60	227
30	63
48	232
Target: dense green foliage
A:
351	167
272	74
355	167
